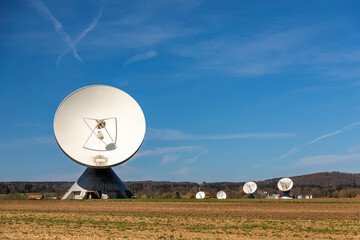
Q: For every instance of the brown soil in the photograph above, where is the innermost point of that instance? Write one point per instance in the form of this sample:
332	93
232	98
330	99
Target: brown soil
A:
179	220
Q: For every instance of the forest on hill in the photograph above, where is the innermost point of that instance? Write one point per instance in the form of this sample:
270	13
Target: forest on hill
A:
324	184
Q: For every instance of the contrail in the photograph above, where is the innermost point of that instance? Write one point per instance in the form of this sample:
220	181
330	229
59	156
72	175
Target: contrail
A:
82	35
344	129
41	7
299	148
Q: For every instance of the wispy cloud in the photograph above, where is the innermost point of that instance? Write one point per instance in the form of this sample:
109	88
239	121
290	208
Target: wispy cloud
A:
184	171
172	134
273	51
170	158
261	54
326	159
290	152
167	134
32	125
138	12
172	154
137	37
167	150
299	148
93	24
197	156
354	149
344	129
141	57
44	11
39	140
51	177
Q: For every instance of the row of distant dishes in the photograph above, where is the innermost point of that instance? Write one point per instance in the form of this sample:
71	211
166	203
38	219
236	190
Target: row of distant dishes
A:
284	184
219	195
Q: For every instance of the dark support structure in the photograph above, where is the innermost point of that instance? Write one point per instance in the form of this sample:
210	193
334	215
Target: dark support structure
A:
98	183
251	196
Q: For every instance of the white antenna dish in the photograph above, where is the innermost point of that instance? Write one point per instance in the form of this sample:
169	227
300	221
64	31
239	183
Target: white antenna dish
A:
285	184
221	195
249	187
99	126
200	195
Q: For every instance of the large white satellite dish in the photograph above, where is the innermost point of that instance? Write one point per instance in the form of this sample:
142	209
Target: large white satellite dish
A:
200	195
221	195
285	184
249	187
99	126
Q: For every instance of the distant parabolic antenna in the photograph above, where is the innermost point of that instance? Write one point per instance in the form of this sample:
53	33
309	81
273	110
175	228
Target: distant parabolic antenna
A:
250	188
284	185
221	195
200	195
99	127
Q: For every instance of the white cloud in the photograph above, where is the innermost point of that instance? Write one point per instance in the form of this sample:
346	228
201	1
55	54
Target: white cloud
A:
259	54
171	134
354	149
39	140
170	158
250	136
167	134
138	12
32	125
139	37
184	171
172	154
167	150
141	57
52	177
326	159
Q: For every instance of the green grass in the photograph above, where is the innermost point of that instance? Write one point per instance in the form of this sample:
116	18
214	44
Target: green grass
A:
108	223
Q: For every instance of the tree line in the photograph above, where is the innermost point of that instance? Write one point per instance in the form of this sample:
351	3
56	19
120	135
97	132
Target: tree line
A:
319	185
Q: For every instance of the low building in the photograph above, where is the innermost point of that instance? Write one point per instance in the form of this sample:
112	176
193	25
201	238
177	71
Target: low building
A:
35	197
186	196
274	196
51	198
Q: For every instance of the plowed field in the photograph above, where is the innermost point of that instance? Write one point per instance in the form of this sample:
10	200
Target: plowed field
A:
136	219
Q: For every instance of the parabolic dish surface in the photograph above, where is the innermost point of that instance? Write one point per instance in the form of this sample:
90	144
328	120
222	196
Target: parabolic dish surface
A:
249	187
200	195
285	184
221	195
99	126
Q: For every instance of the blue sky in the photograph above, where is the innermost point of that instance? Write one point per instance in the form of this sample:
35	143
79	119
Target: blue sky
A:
231	91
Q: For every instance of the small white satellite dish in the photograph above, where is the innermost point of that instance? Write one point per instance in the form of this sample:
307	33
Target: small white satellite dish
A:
99	126
200	195
221	195
285	184
249	187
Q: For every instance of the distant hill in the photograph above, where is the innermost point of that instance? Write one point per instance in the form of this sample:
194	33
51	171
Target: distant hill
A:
323	184
322	179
